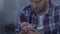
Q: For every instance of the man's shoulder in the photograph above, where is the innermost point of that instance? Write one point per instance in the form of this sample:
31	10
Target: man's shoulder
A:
57	7
57	10
27	8
54	6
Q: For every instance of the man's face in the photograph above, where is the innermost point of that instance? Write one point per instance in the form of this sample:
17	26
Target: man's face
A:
38	5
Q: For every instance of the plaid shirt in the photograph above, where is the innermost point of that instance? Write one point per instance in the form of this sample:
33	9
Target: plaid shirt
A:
51	19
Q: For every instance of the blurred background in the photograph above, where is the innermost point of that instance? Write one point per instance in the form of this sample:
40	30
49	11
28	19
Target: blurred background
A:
9	11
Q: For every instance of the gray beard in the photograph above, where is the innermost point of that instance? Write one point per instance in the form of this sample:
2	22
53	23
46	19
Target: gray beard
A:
41	11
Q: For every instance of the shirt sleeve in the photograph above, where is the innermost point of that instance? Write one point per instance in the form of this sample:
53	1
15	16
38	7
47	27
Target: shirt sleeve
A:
21	19
59	17
59	21
18	23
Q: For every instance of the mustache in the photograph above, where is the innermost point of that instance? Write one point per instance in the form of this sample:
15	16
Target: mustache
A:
41	10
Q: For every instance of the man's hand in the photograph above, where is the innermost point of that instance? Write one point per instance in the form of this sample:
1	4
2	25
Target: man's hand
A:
26	26
33	31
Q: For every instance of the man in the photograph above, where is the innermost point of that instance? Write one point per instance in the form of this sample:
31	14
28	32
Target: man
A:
44	16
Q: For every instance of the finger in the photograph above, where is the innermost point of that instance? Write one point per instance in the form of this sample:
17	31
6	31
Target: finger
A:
27	28
26	25
31	32
32	29
22	24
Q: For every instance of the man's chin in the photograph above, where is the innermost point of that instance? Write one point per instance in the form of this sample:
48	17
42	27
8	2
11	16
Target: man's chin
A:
36	11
